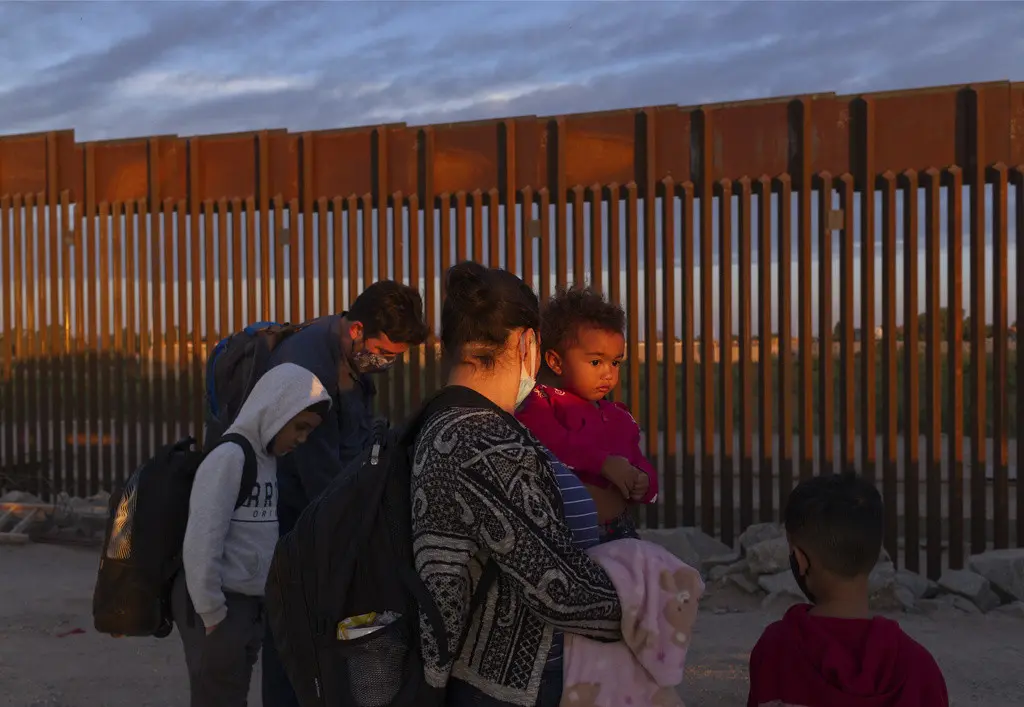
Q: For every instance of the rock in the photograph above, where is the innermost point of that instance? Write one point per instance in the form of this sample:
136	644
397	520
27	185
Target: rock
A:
690	545
722	571
941	604
758	533
920	586
1004	569
674	541
965	605
882	577
708	548
744	582
971	586
779	582
769	556
19	497
894	597
719	560
1014	610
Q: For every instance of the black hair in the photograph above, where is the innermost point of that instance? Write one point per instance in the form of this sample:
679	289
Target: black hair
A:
390	308
481	306
319	408
838	519
571	309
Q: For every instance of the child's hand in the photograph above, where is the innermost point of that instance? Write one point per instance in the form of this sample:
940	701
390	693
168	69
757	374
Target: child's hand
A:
620	472
641	483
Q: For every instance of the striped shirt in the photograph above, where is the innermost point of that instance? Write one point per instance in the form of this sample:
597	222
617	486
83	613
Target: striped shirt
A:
581	517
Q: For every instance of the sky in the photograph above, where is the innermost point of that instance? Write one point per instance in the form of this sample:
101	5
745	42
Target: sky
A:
113	70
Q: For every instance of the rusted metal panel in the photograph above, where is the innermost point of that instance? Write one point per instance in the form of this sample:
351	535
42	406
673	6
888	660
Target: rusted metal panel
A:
955	372
866	164
688	420
466	157
915	130
1000	377
670	481
282	156
121	170
1017	179
531	152
224	165
750	139
337	163
705	135
826	382
672	135
912	377
725	339
600	147
890	386
766	387
933	374
169	178
1016	125
847	404
23	164
746	380
978	106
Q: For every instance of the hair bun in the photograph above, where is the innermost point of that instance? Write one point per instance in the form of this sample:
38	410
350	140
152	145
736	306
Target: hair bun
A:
467	286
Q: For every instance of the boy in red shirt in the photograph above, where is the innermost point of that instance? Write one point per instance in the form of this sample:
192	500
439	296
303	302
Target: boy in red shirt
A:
584	345
833	652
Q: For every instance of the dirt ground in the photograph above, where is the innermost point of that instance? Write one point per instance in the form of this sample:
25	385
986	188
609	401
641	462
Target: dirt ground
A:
45	593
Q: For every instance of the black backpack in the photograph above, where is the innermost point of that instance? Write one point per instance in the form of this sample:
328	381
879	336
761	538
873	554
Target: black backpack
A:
144	537
233	369
350	555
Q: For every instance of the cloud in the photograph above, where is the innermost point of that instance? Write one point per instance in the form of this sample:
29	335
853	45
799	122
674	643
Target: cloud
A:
123	69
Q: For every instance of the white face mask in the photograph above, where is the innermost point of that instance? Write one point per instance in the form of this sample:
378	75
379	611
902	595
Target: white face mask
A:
526	380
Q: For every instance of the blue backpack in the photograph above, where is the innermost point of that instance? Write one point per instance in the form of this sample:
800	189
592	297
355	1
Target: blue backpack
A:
232	370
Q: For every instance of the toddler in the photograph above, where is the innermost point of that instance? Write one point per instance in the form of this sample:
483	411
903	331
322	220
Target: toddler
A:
583	348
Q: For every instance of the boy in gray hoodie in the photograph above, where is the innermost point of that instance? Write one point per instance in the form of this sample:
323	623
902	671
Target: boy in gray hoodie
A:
217	601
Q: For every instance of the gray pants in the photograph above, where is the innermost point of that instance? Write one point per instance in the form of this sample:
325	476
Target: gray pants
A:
219	665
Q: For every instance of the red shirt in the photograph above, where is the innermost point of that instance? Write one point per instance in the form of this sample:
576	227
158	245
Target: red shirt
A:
582	435
814	661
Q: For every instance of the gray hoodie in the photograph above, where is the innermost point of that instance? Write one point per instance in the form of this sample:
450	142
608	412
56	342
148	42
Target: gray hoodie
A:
230	550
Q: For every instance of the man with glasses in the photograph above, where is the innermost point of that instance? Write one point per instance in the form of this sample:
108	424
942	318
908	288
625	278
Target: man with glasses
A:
343	351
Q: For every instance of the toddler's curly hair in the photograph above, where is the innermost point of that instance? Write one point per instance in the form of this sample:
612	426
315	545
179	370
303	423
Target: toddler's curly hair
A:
572	308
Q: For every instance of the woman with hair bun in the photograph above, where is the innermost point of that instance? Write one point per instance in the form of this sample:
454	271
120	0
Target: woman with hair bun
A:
485	493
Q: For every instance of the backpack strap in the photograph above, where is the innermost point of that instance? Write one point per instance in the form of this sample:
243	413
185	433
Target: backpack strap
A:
248	469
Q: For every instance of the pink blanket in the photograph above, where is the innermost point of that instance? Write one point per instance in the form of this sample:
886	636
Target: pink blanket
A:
659	595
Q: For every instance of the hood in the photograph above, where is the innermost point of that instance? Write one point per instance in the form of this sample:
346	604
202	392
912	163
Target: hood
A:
856	662
282	393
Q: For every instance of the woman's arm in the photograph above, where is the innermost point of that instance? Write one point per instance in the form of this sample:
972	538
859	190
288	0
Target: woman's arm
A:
483	494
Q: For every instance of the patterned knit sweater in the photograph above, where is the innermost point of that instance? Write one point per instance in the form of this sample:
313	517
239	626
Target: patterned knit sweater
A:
482	488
